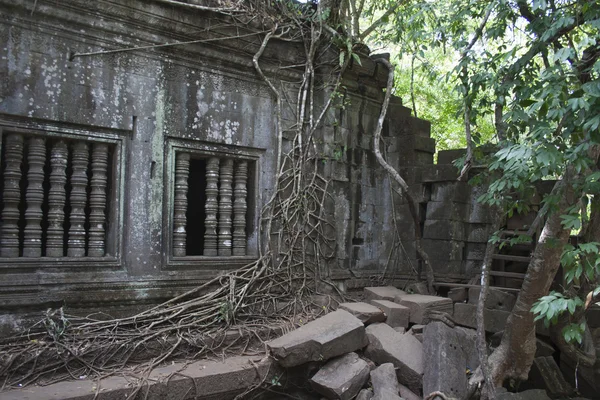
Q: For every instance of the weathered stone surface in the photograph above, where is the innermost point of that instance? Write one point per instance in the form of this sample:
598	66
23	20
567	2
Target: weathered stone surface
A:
545	374
367	313
383	293
331	335
204	379
397	315
494	320
365	394
468	342
445	360
342	377
543	349
458	295
400	329
496	299
384	380
419	304
418	288
407	394
534	394
404	351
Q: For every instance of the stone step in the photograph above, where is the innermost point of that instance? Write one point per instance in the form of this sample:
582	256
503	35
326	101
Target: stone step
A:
205	379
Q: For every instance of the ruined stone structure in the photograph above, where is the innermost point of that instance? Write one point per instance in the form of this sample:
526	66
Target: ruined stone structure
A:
130	176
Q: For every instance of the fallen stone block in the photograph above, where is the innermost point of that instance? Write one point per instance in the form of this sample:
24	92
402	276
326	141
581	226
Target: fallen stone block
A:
458	295
407	394
466	315
404	351
545	374
342	377
365	394
420	304
495	300
543	349
468	342
367	313
384	380
334	334
397	315
382	293
445	360
400	329
534	394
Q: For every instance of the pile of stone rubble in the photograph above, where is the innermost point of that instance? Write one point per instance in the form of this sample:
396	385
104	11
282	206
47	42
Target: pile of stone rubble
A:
394	345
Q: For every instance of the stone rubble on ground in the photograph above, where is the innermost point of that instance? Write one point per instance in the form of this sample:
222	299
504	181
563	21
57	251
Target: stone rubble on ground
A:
403	353
342	377
334	334
365	312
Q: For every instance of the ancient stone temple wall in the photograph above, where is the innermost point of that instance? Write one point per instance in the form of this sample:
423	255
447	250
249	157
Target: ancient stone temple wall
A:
129	176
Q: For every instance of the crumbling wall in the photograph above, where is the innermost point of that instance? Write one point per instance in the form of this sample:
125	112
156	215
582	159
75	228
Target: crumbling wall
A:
208	96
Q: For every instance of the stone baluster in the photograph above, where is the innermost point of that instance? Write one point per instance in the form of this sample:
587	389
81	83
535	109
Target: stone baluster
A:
59	156
240	192
34	197
98	184
9	246
180	203
211	206
78	200
225	207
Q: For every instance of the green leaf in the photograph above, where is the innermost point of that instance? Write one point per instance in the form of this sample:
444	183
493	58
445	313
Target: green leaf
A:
356	58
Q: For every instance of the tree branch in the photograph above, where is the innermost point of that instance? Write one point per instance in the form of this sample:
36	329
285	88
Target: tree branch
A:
412	204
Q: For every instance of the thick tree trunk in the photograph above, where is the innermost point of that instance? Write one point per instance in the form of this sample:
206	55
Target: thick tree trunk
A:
514	356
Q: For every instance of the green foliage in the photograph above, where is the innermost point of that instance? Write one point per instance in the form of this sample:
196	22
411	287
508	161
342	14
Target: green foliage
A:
528	72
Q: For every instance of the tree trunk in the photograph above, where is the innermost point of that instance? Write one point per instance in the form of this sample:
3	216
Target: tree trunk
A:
514	356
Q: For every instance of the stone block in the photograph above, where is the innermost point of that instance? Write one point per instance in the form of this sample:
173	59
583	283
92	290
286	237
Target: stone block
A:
384	380
445	360
407	394
332	335
496	299
443	250
342	377
382	293
475	251
438	210
417	288
397	315
543	349
404	351
420	304
365	312
459	192
468	342
458	295
494	320
444	230
449	156
478	233
439	173
545	374
365	394
534	394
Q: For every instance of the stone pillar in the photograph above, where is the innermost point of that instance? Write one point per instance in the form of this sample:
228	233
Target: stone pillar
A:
225	207
59	156
211	206
34	197
182	172
239	208
78	200
98	183
9	246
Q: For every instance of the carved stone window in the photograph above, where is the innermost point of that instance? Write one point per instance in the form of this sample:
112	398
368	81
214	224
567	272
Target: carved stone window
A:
212	213
58	196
